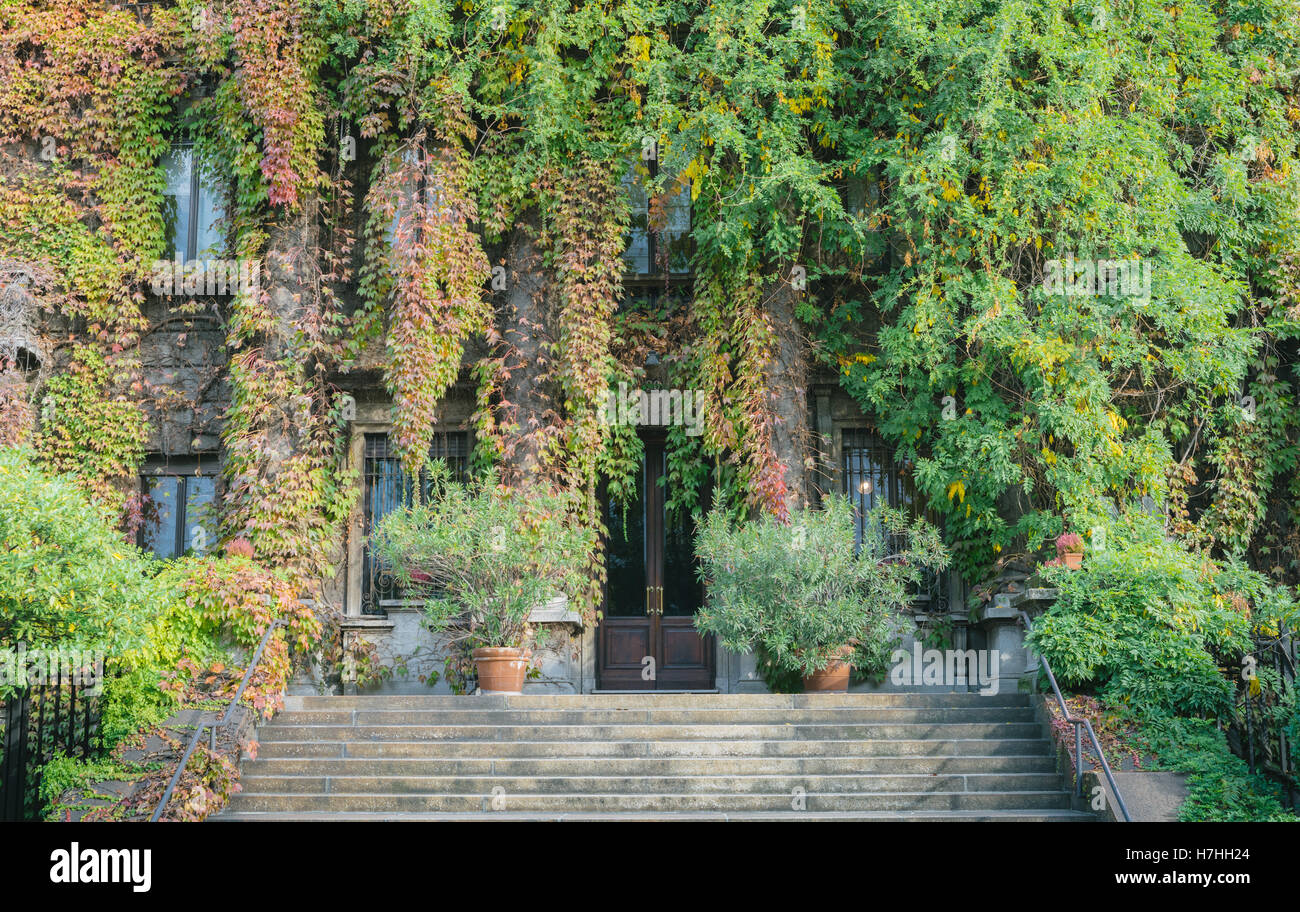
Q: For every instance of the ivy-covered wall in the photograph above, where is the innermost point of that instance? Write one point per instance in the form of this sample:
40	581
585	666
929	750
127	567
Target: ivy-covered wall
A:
887	192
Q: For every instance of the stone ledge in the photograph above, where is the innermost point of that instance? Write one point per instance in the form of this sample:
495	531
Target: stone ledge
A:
556	611
365	622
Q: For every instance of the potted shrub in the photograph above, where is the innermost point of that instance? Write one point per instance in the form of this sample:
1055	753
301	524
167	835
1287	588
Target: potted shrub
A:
483	556
802	598
1069	547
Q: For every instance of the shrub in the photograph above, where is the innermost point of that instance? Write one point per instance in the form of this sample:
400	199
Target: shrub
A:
1220	784
484	555
66	575
1147	624
797	593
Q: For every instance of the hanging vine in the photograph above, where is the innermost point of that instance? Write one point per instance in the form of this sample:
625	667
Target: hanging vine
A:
438	272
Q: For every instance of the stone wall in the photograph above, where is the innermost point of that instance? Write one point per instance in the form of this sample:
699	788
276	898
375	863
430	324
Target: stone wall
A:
183	357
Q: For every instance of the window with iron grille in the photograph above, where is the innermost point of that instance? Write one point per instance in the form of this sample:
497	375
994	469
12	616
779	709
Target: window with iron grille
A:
871	475
388	486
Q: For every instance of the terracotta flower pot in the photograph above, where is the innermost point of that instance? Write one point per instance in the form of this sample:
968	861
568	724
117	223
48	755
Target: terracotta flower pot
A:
501	669
834	678
1073	559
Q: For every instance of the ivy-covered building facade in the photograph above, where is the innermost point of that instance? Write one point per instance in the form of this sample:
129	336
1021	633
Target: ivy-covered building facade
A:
651	588
261	258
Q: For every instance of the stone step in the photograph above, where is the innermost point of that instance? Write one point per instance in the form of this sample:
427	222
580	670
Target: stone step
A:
444	702
398	749
647	766
657	802
1042	815
793	730
663	785
838	716
862	756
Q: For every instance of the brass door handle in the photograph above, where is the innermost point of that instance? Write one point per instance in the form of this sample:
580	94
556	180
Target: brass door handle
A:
657	608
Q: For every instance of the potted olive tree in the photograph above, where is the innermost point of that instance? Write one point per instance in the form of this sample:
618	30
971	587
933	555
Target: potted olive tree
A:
483	556
799	595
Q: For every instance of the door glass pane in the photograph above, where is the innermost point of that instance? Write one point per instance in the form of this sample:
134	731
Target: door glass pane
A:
176	202
161	515
625	557
683	590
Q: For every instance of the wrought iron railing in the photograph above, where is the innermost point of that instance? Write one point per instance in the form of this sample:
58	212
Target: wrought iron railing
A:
1269	747
387	486
60	716
1080	726
211	726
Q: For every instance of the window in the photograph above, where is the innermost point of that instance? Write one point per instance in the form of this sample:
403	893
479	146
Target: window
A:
659	234
871	474
388	486
179	508
416	175
191	208
862	202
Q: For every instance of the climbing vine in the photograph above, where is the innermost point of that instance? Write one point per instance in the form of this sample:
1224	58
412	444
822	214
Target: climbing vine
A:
879	196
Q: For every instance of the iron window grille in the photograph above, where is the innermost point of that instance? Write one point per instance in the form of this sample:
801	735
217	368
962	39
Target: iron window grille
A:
388	487
871	475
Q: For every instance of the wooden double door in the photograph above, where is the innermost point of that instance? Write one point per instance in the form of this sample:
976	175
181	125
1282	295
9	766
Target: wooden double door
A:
647	638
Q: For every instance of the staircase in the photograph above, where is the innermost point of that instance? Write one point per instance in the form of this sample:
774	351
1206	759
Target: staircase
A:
660	756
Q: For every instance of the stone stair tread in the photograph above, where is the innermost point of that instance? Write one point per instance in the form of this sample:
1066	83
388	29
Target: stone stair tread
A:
1046	814
500	778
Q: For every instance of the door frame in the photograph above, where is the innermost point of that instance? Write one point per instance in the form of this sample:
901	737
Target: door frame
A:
695	677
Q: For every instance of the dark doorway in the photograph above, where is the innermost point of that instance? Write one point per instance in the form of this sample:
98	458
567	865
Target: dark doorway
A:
647	639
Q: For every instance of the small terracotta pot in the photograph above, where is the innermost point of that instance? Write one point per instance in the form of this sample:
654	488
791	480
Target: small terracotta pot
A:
501	669
1073	559
834	678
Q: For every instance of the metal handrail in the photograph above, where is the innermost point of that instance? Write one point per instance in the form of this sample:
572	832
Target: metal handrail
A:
1078	735
211	725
